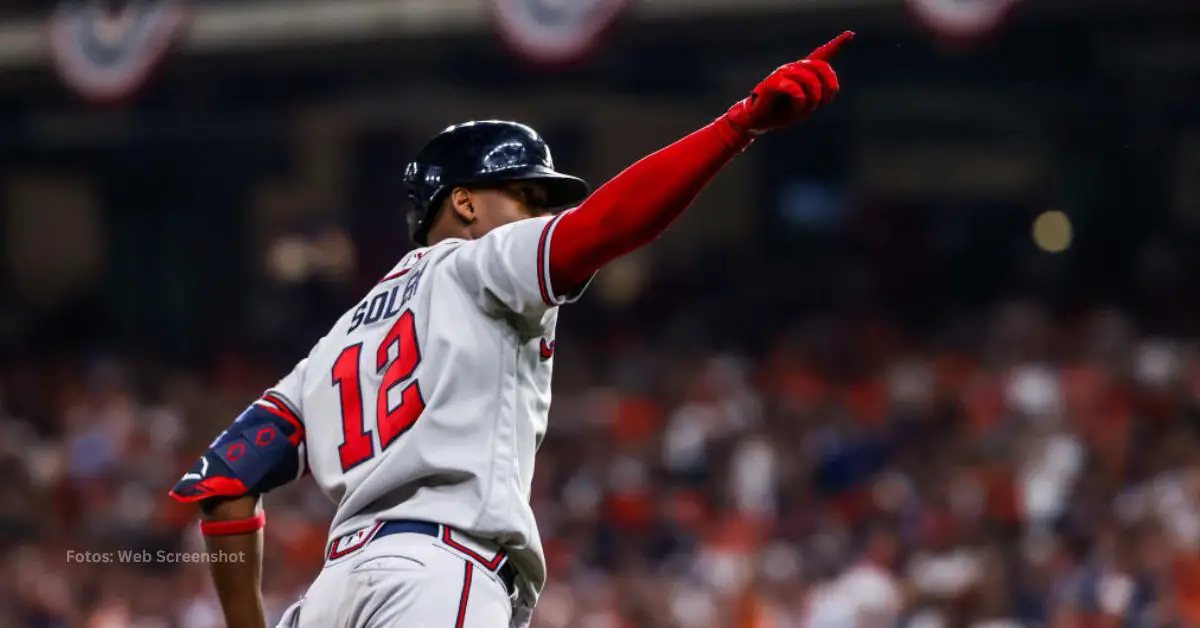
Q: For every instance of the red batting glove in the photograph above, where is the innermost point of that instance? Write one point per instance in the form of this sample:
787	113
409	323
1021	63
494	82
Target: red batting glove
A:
791	93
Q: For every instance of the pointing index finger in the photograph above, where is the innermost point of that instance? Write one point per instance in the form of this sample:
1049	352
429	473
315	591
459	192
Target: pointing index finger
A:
826	52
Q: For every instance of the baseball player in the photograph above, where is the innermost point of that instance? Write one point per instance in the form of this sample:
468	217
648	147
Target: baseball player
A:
420	411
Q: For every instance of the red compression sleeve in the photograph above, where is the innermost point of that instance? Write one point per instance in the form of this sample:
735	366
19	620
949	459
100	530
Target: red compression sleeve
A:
637	206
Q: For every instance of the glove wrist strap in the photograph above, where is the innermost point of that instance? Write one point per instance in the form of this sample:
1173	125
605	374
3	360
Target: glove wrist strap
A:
733	135
240	526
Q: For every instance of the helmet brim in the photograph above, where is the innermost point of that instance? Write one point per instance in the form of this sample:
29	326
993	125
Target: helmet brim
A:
562	190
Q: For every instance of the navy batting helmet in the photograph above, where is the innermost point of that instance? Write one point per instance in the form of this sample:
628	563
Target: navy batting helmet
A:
482	153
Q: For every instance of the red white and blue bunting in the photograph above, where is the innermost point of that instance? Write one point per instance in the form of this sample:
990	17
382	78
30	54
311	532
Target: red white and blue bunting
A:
107	54
554	32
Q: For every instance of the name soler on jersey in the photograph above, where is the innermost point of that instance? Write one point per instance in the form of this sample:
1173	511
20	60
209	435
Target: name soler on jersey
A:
386	305
146	557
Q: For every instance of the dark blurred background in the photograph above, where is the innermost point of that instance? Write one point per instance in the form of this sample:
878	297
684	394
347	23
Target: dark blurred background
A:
928	360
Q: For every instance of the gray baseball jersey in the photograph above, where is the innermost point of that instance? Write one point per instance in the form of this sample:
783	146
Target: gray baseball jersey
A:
428	399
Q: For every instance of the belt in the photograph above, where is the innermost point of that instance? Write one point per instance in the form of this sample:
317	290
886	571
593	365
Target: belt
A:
498	564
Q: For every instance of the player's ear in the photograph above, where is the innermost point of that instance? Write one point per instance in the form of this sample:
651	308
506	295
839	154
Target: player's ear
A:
462	205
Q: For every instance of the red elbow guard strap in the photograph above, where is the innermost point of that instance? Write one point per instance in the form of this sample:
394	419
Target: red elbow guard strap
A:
241	526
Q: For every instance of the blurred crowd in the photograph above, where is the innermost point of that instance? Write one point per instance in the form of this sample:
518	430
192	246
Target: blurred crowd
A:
1020	470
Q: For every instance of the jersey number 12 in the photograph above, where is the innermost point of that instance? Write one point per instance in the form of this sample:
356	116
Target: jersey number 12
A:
357	445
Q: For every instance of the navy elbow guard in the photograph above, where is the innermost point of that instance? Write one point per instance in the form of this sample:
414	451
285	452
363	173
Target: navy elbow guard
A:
260	452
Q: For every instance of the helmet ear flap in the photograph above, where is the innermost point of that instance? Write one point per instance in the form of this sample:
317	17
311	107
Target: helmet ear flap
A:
422	184
418	225
422	215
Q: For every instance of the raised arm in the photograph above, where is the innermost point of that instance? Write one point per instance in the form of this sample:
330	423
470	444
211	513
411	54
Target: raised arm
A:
637	206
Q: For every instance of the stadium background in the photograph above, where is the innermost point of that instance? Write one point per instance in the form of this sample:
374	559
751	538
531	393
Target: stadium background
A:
929	358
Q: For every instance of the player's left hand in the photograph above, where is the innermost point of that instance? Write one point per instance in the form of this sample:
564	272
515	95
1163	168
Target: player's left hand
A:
791	93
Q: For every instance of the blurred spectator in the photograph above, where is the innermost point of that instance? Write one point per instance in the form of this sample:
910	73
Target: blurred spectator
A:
716	492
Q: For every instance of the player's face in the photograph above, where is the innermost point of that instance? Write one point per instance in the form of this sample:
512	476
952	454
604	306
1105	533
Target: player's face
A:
496	207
